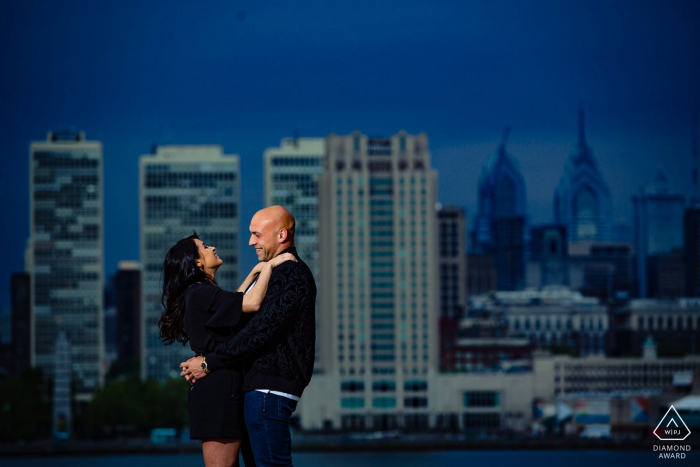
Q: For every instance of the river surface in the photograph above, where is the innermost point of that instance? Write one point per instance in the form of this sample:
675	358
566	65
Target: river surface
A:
549	458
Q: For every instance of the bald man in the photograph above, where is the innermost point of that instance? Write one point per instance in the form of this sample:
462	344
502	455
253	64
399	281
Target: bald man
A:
277	345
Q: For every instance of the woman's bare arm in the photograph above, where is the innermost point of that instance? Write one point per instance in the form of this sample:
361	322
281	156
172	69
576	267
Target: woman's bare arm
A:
253	299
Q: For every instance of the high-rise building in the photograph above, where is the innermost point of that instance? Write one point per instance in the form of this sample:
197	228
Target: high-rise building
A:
582	201
21	330
183	189
291	178
482	276
549	256
691	240
65	260
379	265
452	222
602	269
127	297
658	218
499	226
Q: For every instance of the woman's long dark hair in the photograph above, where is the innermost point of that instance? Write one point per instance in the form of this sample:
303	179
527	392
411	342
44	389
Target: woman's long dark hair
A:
180	271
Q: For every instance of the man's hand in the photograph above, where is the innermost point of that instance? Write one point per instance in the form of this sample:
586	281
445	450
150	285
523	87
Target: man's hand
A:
192	369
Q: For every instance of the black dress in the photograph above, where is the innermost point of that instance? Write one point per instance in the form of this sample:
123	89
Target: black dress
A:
215	402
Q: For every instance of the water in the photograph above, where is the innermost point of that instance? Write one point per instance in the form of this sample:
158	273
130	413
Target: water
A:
551	458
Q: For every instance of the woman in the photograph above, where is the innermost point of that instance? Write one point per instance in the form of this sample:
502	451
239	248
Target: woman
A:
199	311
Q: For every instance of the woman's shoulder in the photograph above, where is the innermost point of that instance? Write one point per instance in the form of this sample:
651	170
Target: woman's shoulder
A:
201	291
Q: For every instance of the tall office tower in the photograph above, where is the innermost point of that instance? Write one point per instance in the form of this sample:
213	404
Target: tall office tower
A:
658	218
582	201
183	189
21	316
379	264
127	297
452	222
482	276
66	255
499	227
691	230
291	180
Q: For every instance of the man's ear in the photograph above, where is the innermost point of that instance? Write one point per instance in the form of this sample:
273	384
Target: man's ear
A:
282	235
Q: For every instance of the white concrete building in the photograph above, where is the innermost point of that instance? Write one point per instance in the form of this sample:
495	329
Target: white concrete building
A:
291	176
183	189
379	303
65	255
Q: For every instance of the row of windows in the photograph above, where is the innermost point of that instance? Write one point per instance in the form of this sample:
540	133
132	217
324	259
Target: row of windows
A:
668	323
383	402
558	325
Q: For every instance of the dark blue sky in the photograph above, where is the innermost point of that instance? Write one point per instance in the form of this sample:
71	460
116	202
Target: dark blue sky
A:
245	74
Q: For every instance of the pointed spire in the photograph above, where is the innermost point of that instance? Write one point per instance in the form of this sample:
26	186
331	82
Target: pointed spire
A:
581	126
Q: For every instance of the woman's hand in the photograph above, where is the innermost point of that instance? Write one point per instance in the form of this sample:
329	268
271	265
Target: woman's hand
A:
279	259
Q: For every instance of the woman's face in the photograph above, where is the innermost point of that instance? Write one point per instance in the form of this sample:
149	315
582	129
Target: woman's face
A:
208	260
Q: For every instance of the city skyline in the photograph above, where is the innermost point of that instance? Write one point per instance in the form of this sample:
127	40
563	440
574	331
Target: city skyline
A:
210	74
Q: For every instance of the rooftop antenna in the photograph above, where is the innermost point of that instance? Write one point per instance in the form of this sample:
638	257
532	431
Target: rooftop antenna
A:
296	138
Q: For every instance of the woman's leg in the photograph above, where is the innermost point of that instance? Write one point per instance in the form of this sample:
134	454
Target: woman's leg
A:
220	452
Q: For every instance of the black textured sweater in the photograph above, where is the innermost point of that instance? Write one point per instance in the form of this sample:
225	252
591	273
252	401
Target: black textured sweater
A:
280	340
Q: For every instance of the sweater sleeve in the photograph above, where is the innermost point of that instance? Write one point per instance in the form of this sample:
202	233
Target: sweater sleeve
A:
282	303
226	309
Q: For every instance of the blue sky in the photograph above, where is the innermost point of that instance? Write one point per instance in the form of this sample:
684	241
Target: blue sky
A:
246	74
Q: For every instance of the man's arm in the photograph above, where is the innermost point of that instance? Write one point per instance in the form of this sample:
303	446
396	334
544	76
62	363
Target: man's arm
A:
285	294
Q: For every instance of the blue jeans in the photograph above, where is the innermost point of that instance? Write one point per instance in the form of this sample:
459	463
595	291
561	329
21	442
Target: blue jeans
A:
267	420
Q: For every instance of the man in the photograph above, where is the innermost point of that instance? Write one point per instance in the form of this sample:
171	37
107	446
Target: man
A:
278	343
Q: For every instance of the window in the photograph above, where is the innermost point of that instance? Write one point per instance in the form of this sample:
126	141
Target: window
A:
481	399
352	402
384	402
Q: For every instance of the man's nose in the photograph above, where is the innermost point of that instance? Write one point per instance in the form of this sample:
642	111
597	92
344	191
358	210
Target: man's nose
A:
251	241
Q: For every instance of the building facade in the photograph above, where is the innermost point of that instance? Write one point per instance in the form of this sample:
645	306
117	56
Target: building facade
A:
127	298
582	200
691	247
379	263
21	319
549	257
658	218
673	324
183	189
291	178
65	257
452	221
500	223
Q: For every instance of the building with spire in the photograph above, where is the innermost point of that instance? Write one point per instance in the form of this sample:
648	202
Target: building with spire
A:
582	200
658	218
499	226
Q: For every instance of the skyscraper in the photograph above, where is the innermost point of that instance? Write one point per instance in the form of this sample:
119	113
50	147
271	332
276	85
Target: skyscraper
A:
499	226
452	222
66	255
127	297
379	265
658	218
582	201
183	189
291	177
21	329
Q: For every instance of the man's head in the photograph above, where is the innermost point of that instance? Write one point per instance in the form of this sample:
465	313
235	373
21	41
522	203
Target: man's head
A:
271	232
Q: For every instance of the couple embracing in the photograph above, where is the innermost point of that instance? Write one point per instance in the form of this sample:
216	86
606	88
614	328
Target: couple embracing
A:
254	348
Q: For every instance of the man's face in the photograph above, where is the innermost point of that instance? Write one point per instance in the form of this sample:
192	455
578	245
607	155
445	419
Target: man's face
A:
263	236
